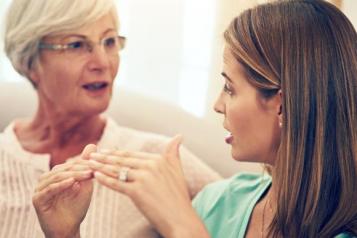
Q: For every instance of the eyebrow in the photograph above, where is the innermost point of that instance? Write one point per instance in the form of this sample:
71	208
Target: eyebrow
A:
226	76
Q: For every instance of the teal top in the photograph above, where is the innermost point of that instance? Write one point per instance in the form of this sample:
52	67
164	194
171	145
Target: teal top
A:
226	206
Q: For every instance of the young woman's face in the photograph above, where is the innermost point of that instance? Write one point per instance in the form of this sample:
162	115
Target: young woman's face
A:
78	84
251	119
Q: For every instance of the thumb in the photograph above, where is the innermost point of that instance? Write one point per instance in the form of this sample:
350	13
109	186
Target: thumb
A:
172	149
90	148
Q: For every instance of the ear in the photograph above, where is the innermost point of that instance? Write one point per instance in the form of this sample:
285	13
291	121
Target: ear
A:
34	73
279	107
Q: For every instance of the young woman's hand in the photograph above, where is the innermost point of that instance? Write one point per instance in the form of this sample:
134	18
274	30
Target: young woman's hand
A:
63	195
157	186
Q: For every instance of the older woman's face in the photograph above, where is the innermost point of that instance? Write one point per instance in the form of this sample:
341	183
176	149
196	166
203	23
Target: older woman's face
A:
78	84
253	121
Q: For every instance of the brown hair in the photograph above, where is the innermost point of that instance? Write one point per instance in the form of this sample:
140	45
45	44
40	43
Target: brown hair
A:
308	49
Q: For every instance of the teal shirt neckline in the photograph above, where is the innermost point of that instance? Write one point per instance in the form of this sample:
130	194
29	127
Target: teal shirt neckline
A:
226	206
260	190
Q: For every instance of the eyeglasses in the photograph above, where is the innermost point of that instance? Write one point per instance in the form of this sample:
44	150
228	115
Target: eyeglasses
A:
112	45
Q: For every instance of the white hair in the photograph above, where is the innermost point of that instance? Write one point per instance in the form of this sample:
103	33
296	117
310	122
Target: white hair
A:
28	21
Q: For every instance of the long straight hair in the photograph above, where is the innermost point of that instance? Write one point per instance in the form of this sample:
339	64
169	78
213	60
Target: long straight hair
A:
308	49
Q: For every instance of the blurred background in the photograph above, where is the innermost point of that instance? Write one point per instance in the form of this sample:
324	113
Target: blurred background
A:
169	75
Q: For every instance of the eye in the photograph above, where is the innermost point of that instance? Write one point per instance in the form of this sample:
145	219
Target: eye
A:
227	89
76	45
110	42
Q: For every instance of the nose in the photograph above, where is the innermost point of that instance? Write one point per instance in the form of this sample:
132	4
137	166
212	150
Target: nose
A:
219	105
99	59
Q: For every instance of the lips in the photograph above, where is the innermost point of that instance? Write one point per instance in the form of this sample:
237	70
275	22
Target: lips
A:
95	86
229	138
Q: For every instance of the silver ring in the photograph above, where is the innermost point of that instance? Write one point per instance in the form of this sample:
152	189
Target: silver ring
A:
123	174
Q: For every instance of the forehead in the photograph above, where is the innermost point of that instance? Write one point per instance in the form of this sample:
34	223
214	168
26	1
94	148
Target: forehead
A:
93	30
231	64
98	27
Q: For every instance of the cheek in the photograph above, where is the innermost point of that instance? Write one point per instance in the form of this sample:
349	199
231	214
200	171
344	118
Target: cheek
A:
62	78
67	79
238	117
264	133
114	66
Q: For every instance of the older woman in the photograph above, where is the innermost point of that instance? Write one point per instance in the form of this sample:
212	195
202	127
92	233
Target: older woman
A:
289	101
69	51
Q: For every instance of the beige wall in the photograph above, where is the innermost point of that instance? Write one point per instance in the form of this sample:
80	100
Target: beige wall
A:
349	7
226	11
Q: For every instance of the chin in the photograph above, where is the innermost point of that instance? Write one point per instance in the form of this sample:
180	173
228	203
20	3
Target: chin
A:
239	157
92	110
101	109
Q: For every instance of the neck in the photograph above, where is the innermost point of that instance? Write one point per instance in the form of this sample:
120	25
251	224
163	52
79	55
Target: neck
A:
272	193
60	134
64	129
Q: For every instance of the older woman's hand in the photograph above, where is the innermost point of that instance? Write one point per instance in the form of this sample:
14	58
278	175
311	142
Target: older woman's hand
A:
157	186
63	195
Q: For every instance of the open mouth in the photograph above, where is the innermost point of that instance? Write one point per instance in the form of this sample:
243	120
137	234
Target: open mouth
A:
229	138
95	86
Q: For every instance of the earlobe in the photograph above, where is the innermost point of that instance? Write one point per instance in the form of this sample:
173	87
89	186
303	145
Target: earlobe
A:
280	109
34	76
280	116
280	100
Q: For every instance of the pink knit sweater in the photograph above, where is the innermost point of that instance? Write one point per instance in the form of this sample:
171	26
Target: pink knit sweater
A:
110	213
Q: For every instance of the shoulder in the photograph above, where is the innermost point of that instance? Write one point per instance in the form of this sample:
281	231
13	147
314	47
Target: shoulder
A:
198	174
8	140
248	182
242	187
237	184
240	183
